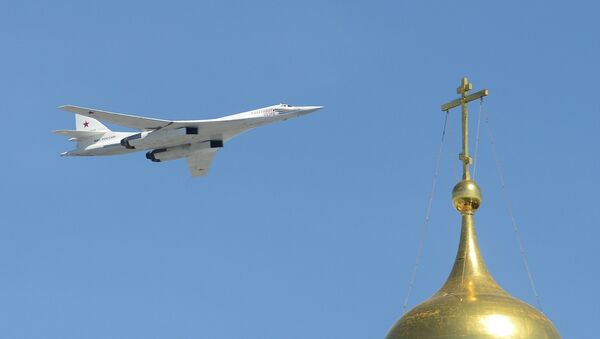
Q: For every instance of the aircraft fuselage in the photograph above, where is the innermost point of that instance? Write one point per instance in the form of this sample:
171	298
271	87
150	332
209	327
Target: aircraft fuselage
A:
169	142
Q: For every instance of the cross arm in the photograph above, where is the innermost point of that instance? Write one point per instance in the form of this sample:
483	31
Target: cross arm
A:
455	103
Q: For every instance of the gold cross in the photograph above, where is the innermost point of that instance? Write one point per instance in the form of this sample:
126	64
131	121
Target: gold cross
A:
465	98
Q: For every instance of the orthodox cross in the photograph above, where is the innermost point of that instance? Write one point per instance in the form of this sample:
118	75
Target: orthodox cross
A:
465	98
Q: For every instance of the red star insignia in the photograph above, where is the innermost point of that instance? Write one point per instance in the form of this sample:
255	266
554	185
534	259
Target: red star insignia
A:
86	124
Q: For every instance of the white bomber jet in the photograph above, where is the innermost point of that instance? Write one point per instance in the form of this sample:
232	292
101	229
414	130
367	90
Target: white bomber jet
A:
196	140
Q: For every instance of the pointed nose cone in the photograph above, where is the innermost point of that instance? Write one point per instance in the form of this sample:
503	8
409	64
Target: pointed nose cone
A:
310	109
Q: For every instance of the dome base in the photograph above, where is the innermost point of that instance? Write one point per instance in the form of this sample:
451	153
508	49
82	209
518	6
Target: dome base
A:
488	316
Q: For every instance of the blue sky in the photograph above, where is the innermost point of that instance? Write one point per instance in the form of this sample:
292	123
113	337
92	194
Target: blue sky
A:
308	228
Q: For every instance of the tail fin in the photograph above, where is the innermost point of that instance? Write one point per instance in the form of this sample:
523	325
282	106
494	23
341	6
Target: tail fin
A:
83	123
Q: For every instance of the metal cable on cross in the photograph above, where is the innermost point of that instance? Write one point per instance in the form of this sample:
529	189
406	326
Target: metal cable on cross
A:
477	139
509	209
427	214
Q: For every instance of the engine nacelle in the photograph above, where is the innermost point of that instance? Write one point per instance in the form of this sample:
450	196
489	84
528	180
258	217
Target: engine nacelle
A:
152	154
160	137
130	140
171	153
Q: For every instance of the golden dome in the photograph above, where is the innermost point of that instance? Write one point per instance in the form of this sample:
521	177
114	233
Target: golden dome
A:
472	305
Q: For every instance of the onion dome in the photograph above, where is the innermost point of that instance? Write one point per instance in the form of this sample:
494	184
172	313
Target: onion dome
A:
471	304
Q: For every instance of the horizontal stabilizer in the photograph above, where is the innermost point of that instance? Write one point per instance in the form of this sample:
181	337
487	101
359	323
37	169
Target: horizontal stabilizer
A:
78	135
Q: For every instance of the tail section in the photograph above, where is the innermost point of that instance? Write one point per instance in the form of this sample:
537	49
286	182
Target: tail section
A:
87	124
88	131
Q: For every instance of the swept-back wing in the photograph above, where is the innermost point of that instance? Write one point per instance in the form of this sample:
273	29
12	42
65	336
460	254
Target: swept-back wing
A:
222	128
199	162
131	121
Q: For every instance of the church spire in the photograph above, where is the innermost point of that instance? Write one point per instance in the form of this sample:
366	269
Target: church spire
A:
471	304
466	195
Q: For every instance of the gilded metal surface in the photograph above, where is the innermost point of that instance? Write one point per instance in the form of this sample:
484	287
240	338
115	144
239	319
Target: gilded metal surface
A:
471	304
466	197
455	103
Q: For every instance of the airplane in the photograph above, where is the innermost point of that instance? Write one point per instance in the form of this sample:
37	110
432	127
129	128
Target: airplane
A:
196	140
